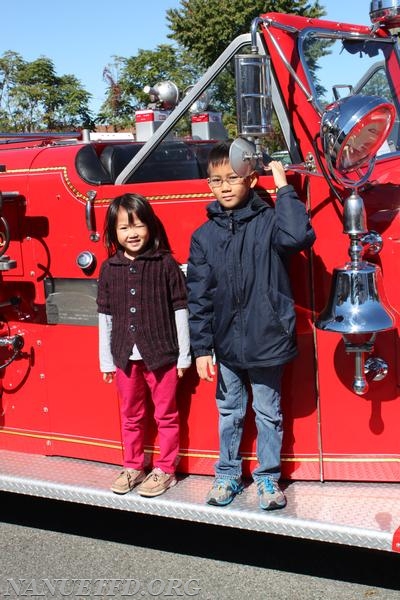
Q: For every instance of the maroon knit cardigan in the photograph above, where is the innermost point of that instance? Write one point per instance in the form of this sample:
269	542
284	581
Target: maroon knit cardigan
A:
142	295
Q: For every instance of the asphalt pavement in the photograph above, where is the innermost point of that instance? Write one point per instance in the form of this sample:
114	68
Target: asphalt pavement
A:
53	549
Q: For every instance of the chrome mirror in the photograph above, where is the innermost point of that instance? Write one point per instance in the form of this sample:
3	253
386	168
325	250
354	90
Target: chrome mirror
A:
253	100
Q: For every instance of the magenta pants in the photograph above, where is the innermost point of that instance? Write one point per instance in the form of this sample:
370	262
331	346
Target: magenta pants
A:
132	386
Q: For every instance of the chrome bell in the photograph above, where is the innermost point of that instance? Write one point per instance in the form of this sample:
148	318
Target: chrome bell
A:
356	302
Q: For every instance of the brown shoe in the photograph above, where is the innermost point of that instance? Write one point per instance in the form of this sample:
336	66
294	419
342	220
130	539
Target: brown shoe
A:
127	480
157	482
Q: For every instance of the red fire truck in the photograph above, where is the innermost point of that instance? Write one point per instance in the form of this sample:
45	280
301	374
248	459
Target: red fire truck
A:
59	423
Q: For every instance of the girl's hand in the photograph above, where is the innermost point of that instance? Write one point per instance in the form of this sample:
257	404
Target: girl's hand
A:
109	377
181	371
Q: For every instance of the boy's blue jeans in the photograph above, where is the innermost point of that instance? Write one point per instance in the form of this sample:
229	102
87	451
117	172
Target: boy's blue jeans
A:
232	397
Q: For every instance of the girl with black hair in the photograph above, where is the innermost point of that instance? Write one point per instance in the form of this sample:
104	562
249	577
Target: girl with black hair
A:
143	337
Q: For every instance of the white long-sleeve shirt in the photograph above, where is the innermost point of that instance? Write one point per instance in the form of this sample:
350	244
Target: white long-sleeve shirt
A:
105	356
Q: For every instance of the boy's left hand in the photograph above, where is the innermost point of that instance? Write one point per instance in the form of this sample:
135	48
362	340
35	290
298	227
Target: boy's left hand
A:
181	371
278	172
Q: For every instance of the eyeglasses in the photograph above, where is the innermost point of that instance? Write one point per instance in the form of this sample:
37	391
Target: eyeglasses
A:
216	182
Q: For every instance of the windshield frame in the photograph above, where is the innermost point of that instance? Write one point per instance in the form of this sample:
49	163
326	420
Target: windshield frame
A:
331	34
364	78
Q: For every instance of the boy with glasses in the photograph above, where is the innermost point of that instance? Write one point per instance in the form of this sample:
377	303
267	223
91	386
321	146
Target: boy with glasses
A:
241	309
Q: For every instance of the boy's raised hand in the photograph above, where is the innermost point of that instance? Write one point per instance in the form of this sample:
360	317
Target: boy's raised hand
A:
205	368
278	172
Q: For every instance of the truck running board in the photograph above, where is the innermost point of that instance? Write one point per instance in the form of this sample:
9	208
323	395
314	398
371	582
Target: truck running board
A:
355	514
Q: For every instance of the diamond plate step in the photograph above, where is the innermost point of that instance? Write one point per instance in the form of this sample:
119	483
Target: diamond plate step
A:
356	514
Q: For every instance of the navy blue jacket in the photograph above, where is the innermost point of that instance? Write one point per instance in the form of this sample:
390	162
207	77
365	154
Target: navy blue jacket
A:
240	301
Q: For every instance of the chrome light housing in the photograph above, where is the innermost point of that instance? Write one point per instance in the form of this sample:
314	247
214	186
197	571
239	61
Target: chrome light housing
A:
202	103
385	13
352	131
165	92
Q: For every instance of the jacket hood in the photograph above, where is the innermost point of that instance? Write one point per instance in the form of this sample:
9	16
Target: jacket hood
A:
252	208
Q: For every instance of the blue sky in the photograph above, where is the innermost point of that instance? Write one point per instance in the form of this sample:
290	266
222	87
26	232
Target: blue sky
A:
82	36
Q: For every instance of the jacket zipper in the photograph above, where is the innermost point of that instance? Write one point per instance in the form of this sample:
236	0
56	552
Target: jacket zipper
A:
236	283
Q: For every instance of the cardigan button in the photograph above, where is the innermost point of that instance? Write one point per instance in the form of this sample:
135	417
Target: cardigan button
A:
132	269
132	327
132	309
133	291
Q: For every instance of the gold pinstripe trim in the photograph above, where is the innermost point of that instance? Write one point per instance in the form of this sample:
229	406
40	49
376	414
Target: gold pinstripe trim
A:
60	439
362	460
159	198
184	196
165	197
206	454
62	170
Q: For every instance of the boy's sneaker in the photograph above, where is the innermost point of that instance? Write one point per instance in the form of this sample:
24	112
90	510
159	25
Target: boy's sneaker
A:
270	494
157	482
127	480
223	491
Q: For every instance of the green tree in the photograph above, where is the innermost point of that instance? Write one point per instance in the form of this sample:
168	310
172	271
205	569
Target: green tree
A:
10	63
202	29
206	27
32	94
116	110
34	98
152	66
69	106
127	77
